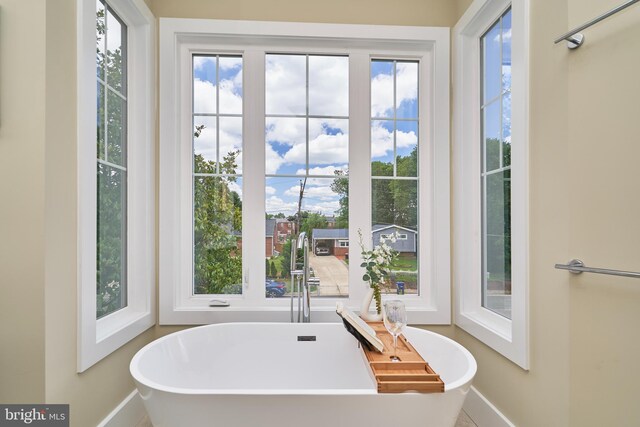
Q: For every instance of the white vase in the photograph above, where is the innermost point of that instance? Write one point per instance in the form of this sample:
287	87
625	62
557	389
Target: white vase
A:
364	309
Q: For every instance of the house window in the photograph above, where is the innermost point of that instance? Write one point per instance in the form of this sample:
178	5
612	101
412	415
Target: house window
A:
490	158
395	136
115	172
307	157
111	237
495	109
300	163
217	174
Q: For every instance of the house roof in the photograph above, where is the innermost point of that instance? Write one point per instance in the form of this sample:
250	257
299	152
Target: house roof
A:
270	227
330	233
381	227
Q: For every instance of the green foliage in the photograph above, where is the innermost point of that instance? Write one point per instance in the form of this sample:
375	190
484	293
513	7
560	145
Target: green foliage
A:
377	263
312	220
396	201
274	270
216	229
340	186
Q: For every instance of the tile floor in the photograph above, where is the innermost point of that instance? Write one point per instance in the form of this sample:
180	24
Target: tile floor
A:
463	421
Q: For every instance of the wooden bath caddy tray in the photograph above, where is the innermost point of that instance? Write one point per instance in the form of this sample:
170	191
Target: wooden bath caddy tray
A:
411	373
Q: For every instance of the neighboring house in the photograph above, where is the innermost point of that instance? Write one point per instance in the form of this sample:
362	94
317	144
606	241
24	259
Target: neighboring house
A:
270	232
284	230
331	221
406	238
335	239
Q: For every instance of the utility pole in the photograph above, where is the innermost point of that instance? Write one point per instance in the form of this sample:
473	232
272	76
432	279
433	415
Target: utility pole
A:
303	184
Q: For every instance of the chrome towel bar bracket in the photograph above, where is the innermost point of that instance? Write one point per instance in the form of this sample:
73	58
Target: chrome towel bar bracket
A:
575	39
576	266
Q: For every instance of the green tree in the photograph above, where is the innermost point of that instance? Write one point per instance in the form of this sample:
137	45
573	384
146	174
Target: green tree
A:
340	186
311	221
274	270
217	227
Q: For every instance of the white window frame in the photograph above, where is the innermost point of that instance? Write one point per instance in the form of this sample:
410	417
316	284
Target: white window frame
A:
179	39
97	338
343	243
509	337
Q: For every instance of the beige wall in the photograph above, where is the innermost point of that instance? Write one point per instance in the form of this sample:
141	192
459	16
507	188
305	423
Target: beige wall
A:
22	214
604	178
437	13
38	220
584	203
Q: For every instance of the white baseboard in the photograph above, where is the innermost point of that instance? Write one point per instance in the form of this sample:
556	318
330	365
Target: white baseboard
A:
127	414
482	412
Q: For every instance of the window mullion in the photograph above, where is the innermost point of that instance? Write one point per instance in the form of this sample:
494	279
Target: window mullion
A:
253	198
359	166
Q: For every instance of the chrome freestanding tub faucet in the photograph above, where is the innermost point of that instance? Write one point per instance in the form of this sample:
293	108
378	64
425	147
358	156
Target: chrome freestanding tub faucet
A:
300	280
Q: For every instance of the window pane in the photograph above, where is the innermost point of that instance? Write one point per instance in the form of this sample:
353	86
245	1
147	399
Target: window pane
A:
230	84
111	249
100	39
100	121
116	129
382	151
217	235
204	84
324	216
204	144
395	210
116	53
329	85
497	242
506	129
491	138
382	100
506	51
286	149
231	145
286	81
328	145
407	149
491	62
407	90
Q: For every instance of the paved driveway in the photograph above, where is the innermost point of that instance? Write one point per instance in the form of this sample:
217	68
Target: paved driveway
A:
333	275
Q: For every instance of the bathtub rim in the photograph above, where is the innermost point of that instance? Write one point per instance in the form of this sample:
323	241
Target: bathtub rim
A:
465	380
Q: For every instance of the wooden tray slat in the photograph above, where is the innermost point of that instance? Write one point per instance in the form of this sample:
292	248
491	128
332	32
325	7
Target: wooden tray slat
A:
411	373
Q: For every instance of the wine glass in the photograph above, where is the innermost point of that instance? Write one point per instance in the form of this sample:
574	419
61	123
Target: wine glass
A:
395	320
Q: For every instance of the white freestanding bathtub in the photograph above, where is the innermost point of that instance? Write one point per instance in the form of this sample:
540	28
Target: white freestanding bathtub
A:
261	375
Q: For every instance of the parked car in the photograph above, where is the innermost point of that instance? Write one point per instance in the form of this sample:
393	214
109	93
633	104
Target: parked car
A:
274	289
322	250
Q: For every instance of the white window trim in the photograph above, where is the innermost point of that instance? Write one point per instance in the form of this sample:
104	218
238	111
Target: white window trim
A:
180	37
509	337
99	338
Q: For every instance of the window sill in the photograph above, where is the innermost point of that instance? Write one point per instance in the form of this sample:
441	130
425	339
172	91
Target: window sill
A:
201	315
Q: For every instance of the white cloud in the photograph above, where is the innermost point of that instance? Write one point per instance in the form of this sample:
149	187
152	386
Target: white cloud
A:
329	85
320	192
382	140
382	89
285	84
269	191
204	96
230	101
326	170
275	204
230	62
273	160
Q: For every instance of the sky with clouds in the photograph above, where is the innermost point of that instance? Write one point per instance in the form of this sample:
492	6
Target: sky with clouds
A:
307	129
